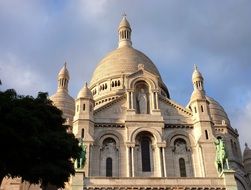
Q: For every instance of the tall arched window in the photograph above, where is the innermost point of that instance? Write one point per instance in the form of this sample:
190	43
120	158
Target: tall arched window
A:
109	167
82	133
145	154
182	166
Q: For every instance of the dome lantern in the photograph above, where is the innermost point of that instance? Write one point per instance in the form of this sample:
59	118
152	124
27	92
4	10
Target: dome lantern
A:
63	78
124	31
198	85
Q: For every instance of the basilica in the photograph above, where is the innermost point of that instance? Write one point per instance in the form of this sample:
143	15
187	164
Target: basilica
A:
137	137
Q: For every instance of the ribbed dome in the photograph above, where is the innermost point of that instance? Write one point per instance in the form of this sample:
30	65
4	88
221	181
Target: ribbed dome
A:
85	92
124	60
217	111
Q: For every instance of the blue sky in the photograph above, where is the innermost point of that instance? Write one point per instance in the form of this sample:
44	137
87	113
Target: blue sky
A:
38	36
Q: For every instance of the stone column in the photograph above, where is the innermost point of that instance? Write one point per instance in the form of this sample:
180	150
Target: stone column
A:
128	97
164	161
128	150
153	101
158	161
132	104
132	158
156	100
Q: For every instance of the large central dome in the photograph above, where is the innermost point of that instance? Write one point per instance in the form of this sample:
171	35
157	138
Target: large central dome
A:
110	76
124	60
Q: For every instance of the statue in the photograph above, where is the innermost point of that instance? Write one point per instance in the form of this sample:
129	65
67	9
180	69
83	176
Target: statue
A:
221	156
80	161
142	101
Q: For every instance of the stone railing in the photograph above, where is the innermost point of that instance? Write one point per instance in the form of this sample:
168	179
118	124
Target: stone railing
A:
95	183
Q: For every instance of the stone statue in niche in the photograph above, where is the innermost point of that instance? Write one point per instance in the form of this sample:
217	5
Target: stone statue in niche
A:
180	147
142	101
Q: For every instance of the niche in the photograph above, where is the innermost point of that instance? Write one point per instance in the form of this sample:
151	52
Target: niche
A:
142	98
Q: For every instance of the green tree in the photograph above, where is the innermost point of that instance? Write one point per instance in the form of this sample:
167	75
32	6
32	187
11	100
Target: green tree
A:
34	143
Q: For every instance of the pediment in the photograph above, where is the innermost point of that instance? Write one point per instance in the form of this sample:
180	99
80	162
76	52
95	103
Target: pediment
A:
142	73
113	112
173	112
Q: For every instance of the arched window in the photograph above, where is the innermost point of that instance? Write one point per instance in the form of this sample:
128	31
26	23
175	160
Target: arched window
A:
145	154
202	110
206	134
83	107
109	167
82	133
182	166
195	110
232	146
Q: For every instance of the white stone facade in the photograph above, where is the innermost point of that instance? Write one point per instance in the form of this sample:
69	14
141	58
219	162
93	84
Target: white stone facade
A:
138	137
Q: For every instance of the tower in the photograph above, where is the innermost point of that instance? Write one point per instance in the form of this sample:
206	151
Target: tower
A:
83	126
203	130
247	161
61	98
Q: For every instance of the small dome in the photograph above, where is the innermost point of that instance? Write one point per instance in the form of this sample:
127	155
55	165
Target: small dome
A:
247	153
247	159
124	23
217	112
85	92
64	72
196	74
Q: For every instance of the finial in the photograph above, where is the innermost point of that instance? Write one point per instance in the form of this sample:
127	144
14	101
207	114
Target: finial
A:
246	145
195	67
65	64
124	14
86	85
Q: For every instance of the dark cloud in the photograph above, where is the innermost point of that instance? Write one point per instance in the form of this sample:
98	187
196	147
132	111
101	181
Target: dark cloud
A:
37	37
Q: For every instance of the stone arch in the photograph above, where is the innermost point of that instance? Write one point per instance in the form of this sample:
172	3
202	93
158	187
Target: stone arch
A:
240	182
156	134
179	144
182	134
109	133
107	144
150	82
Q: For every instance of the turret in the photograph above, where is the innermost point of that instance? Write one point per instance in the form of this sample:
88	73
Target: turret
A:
83	125
203	126
247	161
198	102
63	79
84	104
124	31
61	99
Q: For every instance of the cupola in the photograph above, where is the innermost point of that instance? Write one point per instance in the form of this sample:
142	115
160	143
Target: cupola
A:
124	31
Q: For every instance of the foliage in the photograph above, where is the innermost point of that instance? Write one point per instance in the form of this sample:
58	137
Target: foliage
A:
34	141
